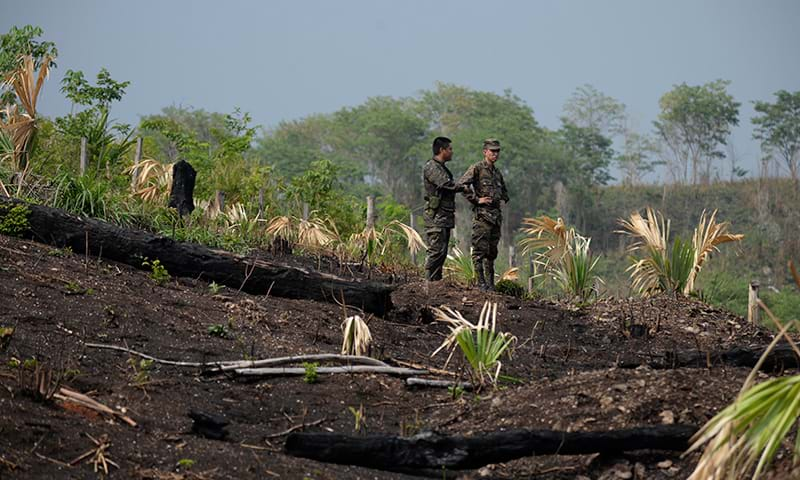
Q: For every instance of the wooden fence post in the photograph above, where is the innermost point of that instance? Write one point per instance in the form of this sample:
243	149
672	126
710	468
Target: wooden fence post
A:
752	303
83	155
137	157
370	211
305	211
511	254
261	202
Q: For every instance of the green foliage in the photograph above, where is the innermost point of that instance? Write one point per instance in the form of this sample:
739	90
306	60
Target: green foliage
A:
310	375
214	287
358	417
455	391
510	288
81	194
575	273
460	268
14	220
141	370
21	41
778	127
186	463
6	333
694	122
158	272
218	330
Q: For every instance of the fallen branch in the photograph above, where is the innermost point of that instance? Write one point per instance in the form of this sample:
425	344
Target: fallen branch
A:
430	450
226	365
66	395
782	357
343	369
295	428
425	382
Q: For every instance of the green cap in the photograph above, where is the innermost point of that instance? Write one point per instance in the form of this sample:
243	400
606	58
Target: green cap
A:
491	144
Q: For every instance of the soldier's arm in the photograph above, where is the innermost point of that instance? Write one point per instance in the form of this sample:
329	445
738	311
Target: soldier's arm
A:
503	189
438	177
466	182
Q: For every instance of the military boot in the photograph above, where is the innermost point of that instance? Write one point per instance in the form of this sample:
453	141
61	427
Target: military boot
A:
479	272
489	267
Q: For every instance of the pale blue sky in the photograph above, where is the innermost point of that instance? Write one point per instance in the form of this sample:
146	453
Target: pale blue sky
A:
283	60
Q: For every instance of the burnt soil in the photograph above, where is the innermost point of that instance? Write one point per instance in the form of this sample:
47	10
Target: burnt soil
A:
573	368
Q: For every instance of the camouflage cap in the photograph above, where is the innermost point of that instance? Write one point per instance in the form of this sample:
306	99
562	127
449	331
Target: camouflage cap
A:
491	144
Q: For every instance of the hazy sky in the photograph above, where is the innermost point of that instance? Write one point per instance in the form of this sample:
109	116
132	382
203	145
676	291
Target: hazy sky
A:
283	60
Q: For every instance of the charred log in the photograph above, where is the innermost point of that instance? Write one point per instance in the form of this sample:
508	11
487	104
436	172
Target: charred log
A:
251	275
430	450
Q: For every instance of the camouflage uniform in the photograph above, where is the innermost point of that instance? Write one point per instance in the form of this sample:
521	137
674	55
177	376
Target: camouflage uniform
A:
486	181
440	214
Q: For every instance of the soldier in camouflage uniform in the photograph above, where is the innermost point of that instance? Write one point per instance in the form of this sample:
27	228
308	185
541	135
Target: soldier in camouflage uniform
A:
487	192
440	206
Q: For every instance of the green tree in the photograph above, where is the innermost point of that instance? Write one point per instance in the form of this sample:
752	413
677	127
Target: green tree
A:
16	43
695	121
591	109
778	128
635	158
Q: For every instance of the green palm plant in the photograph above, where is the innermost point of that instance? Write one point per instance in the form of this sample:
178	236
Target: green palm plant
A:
675	269
374	243
564	254
460	268
750	431
482	345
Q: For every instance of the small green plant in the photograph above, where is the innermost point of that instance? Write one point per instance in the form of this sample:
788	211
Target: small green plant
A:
185	463
30	363
510	288
60	252
455	391
218	330
460	268
358	417
157	271
5	337
75	288
311	372
141	370
14	363
14	220
214	287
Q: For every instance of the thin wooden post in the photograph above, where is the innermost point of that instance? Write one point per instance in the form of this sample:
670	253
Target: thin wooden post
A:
137	157
305	211
511	254
752	303
83	155
412	222
219	198
371	211
261	202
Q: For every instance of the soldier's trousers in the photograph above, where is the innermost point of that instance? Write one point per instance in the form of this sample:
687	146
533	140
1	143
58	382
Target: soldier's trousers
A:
438	240
485	237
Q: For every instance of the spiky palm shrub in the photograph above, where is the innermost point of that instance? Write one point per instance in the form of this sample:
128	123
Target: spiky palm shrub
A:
20	126
374	244
458	266
565	255
481	344
750	430
313	234
575	272
356	336
675	269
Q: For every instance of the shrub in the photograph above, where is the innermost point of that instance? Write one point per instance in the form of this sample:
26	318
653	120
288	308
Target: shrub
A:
14	220
510	287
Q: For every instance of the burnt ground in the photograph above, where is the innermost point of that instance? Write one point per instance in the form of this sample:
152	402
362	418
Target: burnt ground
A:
574	370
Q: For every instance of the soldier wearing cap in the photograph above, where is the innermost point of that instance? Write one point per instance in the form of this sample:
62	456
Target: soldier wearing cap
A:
440	206
486	190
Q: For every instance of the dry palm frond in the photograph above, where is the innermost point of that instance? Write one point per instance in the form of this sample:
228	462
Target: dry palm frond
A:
511	274
357	337
547	233
280	226
21	126
414	241
707	237
153	179
651	233
313	234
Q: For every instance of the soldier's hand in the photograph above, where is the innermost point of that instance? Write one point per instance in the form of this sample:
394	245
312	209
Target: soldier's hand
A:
484	200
